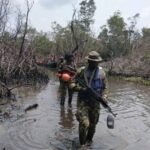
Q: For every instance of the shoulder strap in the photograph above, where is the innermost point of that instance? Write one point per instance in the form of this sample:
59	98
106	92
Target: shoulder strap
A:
88	82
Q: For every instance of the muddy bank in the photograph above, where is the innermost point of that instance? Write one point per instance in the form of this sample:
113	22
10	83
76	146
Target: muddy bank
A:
36	76
18	67
123	73
137	80
135	64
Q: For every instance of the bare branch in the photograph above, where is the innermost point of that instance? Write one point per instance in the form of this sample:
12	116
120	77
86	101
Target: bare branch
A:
29	7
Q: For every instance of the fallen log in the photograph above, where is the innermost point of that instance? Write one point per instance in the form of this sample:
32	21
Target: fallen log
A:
30	107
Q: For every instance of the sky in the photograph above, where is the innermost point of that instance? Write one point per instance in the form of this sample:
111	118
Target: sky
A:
44	12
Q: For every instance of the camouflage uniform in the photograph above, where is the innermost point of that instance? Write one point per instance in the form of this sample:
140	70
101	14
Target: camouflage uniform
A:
88	109
64	86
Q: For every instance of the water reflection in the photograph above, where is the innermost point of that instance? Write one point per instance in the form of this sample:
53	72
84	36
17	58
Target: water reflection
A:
51	126
66	117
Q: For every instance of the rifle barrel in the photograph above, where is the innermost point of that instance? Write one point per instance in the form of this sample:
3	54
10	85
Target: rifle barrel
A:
97	97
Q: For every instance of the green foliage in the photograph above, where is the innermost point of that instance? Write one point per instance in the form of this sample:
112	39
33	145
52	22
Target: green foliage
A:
116	24
42	45
6	36
64	41
62	38
146	32
116	38
139	80
146	58
87	10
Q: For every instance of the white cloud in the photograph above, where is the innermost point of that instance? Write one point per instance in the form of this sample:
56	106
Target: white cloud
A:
54	3
46	11
128	8
144	20
145	12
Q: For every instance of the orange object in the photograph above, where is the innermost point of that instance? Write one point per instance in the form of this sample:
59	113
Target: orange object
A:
66	77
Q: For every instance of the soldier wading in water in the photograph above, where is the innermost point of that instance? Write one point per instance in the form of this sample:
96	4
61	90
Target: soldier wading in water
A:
64	69
88	109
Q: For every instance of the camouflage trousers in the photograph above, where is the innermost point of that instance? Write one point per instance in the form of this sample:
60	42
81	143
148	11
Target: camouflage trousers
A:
88	117
63	90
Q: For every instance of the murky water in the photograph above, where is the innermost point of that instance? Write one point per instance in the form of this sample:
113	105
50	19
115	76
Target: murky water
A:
51	127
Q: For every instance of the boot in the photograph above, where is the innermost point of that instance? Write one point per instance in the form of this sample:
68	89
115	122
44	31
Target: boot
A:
69	101
90	135
82	135
62	101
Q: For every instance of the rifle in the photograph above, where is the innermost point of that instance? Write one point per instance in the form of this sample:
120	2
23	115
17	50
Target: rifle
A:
96	96
93	93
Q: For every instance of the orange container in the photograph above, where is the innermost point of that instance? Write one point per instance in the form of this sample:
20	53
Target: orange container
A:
66	77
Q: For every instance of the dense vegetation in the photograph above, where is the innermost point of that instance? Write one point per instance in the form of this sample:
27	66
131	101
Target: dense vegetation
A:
125	50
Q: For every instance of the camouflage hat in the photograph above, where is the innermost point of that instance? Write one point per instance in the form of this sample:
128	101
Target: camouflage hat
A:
93	56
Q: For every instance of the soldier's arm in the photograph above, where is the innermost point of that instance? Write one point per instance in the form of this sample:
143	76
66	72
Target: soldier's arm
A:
60	67
74	84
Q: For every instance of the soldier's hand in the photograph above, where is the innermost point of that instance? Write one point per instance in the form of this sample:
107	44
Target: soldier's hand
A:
105	97
74	87
87	90
82	89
